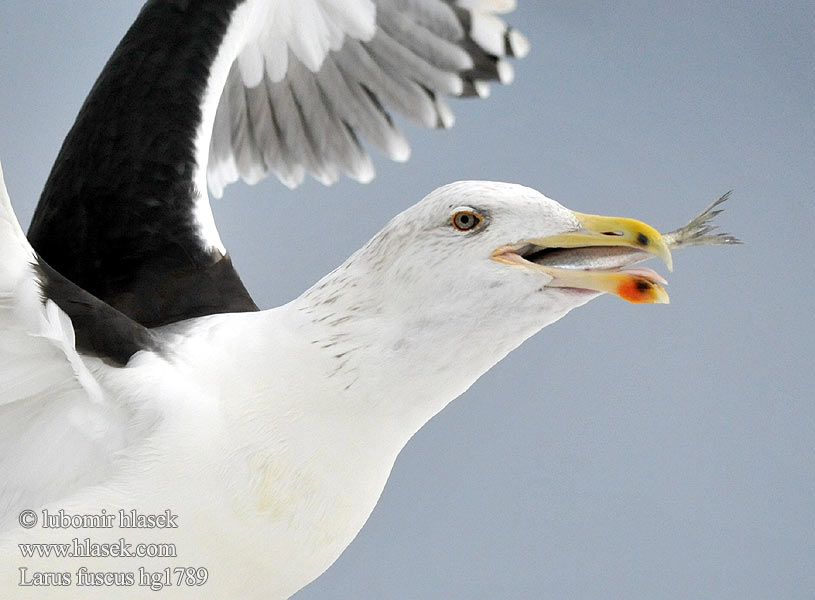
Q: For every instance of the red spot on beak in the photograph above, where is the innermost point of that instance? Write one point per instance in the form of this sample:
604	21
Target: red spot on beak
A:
637	290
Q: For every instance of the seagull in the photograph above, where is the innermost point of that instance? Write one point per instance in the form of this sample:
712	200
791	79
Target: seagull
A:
149	408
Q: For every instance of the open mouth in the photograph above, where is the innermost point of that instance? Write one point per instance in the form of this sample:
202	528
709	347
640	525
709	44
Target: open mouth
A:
592	258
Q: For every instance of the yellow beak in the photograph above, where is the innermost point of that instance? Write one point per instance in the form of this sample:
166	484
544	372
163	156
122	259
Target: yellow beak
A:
610	231
639	286
634	285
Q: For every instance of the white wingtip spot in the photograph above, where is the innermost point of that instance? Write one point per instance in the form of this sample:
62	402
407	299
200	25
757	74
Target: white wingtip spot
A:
457	86
399	150
293	177
482	88
506	74
446	117
217	190
364	171
396	146
327	178
288	180
519	43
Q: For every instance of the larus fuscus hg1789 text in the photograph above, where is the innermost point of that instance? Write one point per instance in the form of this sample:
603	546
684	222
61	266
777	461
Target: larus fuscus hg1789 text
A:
137	373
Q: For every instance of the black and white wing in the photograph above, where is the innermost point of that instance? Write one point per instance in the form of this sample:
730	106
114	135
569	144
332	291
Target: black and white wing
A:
201	93
317	77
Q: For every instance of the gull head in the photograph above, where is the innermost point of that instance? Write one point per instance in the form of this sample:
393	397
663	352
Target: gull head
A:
477	250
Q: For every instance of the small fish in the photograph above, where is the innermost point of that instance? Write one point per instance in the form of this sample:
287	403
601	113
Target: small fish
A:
700	231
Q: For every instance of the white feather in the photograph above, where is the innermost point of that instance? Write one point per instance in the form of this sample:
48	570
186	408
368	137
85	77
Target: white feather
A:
493	6
57	429
506	72
487	31
309	38
356	18
519	43
276	53
251	64
364	58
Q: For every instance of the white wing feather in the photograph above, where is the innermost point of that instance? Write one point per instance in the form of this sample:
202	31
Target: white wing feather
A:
313	78
57	430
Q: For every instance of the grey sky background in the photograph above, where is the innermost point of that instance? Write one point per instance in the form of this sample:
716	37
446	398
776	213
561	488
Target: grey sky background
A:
625	451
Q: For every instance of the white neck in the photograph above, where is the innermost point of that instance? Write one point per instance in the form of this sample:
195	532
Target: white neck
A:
399	363
322	395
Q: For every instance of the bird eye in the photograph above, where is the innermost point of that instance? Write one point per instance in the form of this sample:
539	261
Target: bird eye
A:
466	220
